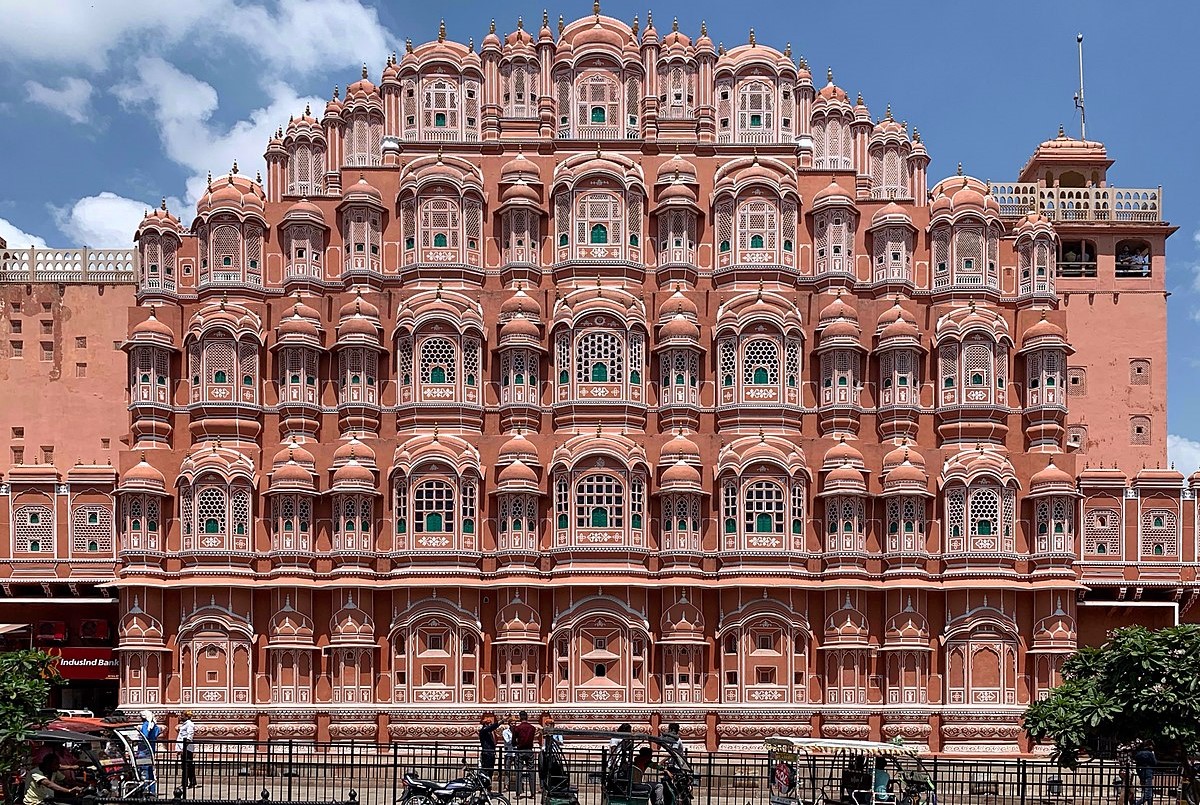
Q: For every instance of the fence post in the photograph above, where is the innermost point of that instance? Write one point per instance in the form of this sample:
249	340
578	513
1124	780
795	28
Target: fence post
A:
395	773
708	783
1022	778
290	768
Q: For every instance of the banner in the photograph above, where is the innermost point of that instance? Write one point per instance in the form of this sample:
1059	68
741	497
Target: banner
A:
86	663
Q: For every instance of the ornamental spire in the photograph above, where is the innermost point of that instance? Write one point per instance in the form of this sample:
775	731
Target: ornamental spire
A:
364	70
596	8
752	42
492	27
442	31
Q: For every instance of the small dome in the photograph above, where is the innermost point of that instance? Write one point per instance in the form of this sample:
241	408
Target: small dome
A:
362	191
520	169
291	476
680	327
1051	479
680	477
304	211
682	622
1043	329
674	169
353	474
518	477
891	213
520	193
677	303
520	327
832	92
233	193
681	448
841	454
838	309
521	302
518	448
293	451
895	324
143	476
832	195
152	329
159	220
901	453
844	479
358	306
678	193
353	449
358	326
906	478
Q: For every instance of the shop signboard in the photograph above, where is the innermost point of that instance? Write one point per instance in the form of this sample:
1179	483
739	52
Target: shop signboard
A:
86	663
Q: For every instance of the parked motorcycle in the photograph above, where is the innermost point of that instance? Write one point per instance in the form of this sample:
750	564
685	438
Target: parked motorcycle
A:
473	788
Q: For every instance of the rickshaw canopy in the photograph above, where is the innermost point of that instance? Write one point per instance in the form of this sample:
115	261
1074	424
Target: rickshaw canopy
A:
838	746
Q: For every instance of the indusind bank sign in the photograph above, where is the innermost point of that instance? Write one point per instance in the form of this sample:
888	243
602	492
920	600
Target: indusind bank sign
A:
86	663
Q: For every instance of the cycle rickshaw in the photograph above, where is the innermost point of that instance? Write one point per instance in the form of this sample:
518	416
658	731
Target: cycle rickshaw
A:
818	771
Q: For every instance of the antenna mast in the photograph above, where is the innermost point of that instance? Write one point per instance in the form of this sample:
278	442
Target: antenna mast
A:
1079	95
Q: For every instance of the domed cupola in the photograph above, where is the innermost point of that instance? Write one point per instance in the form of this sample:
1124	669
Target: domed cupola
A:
359	323
520	347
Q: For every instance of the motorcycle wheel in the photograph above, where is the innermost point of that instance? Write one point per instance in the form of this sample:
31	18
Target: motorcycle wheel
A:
417	799
496	799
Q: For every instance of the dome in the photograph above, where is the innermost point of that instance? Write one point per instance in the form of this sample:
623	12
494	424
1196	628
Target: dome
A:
521	302
680	477
895	324
235	194
846	626
353	449
844	479
518	622
143	476
1051	480
682	622
358	306
601	33
679	327
907	627
359	326
518	448
840	454
832	195
516	477
518	328
353	476
674	169
891	214
291	476
678	193
1043	330
832	93
293	451
678	303
304	211
902	453
362	191
681	448
906	478
1034	223
838	309
152	329
159	220
520	193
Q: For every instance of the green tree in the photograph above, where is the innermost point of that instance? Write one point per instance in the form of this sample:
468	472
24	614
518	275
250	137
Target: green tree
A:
1141	685
26	678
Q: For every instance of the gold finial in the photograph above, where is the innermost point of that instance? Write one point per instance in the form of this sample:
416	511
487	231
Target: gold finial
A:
335	92
752	42
164	203
829	74
408	47
308	110
561	24
720	48
916	135
492	27
675	25
960	173
596	7
803	63
235	168
599	431
1061	132
888	115
442	31
703	28
545	18
636	25
520	23
364	70
439	154
649	20
860	100
210	180
787	50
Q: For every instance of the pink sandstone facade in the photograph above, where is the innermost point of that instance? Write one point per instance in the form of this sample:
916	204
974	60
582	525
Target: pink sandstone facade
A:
604	372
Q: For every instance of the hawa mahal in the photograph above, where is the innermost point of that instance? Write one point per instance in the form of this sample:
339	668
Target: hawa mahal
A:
602	371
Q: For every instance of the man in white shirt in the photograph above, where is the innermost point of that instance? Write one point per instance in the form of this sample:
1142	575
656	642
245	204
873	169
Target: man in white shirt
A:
184	738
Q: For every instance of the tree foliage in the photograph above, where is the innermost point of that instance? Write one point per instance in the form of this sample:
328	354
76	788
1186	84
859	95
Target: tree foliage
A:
26	678
1141	685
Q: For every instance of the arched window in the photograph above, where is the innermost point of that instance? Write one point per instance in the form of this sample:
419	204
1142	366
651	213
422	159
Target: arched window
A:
599	502
760	362
757	224
598	95
599	234
438	360
764	508
441	223
433	508
756	110
600	357
598	221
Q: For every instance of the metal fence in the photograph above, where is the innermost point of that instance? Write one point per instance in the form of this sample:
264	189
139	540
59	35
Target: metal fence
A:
295	771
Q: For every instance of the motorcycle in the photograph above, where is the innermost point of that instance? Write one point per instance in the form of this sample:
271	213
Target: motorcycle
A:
473	788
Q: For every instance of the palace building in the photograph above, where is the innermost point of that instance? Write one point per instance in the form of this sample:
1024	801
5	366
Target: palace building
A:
603	371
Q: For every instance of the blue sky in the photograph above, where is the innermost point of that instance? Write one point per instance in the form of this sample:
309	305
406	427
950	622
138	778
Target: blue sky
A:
109	105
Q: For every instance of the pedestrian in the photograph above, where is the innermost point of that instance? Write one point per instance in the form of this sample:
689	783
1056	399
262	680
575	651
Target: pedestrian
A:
42	787
151	732
184	744
1145	761
548	724
487	744
524	735
508	759
671	736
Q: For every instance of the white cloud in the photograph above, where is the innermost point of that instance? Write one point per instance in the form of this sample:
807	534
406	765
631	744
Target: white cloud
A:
1184	453
18	239
182	106
102	221
71	99
294	35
